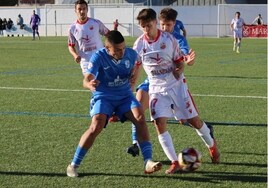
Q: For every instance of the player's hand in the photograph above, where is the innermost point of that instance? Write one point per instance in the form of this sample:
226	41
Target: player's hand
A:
77	59
189	59
93	84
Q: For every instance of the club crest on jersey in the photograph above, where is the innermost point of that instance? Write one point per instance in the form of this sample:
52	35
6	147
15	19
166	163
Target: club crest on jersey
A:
144	50
127	64
91	27
90	65
163	46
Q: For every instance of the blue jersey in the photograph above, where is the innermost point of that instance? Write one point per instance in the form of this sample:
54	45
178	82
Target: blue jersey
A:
113	75
178	27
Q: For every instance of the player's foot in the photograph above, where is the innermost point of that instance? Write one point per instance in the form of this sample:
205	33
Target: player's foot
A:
114	118
214	153
72	171
38	38
237	51
133	150
152	167
174	167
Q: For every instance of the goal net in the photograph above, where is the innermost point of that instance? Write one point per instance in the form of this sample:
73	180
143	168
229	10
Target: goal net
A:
226	12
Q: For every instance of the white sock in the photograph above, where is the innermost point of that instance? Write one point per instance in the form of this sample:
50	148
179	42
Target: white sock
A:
204	133
167	145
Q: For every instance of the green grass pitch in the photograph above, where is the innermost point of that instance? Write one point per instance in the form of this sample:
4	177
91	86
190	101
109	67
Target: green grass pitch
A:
43	113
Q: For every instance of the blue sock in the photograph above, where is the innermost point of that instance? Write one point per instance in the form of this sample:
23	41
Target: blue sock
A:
78	156
134	134
146	150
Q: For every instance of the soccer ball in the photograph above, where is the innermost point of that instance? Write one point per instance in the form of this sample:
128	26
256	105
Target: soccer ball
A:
189	159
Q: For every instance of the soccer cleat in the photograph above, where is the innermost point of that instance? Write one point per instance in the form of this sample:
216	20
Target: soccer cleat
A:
214	153
237	51
152	167
174	167
133	150
72	171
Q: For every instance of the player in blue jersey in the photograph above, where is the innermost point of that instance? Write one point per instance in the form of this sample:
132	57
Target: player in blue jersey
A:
167	19
180	27
110	75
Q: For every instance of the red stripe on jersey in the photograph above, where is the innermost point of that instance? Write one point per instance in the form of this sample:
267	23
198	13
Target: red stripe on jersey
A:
71	44
82	23
157	37
180	60
192	101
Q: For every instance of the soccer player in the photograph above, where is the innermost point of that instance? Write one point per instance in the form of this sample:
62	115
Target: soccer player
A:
34	22
169	97
236	27
110	75
85	35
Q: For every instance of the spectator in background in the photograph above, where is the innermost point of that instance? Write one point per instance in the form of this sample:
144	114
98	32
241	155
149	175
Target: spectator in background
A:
20	21
4	24
9	24
34	22
258	20
1	26
116	24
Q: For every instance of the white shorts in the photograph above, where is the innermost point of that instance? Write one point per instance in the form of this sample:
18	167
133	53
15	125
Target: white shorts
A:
238	34
84	66
176	102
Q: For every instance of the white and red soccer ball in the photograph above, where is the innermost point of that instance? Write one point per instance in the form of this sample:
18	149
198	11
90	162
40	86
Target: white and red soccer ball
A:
189	159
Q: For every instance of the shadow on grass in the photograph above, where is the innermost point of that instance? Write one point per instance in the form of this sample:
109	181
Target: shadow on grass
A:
208	177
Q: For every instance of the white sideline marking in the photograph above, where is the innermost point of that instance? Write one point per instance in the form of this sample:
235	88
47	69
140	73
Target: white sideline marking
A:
80	90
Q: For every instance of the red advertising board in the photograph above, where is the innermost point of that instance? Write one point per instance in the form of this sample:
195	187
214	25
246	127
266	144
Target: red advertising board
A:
255	31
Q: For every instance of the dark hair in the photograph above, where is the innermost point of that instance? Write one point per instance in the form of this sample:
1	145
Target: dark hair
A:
238	13
114	37
168	14
80	2
146	15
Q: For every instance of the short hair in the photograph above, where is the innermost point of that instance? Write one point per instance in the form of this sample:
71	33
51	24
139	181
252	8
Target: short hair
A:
80	2
114	37
146	15
238	13
168	14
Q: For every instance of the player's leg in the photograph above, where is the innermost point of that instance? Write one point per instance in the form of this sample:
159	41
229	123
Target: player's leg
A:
206	134
136	116
37	32
143	97
33	29
160	109
166	143
235	42
239	43
86	141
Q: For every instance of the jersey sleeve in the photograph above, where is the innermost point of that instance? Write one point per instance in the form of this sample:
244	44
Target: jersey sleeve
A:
71	38
103	29
177	54
94	65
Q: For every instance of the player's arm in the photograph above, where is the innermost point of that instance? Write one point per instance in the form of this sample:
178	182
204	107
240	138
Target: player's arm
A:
73	52
232	26
135	75
89	82
184	32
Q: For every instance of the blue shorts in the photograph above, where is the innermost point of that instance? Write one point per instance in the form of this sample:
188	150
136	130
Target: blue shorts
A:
111	106
144	86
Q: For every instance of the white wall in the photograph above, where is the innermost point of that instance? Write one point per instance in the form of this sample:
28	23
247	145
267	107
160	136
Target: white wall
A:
198	20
